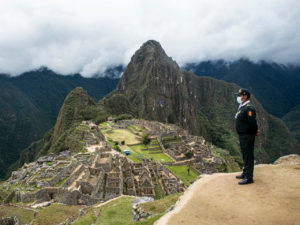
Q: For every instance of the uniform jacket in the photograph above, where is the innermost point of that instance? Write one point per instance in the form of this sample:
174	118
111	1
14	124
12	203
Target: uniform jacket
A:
246	120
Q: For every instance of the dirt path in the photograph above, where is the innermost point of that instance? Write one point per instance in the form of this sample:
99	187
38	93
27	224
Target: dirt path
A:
274	199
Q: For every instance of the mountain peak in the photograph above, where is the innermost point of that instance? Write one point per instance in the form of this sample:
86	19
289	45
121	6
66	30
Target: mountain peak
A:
149	65
149	51
76	101
152	45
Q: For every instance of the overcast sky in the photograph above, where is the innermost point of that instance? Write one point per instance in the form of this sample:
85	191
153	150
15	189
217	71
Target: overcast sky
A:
71	36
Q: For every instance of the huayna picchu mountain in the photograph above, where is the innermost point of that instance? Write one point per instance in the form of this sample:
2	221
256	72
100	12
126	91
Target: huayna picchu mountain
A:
154	87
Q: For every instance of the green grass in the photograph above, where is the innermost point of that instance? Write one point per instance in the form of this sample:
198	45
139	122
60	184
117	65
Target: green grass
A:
159	192
137	150
182	173
24	216
121	135
149	220
116	212
55	214
59	183
87	219
161	205
171	138
160	157
105	125
229	164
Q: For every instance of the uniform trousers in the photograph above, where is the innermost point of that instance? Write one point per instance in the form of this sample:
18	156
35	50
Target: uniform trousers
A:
247	148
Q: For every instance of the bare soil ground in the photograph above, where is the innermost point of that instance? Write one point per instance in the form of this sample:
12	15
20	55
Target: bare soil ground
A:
273	198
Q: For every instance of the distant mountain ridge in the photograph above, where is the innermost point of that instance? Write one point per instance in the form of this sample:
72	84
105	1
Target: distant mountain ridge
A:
29	105
276	86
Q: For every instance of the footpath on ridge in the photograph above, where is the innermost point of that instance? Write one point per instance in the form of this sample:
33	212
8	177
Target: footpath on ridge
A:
273	198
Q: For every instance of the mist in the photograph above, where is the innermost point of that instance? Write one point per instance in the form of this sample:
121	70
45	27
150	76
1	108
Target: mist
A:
88	37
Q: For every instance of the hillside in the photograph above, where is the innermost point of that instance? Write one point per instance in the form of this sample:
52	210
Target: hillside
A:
154	87
29	105
214	199
276	86
292	120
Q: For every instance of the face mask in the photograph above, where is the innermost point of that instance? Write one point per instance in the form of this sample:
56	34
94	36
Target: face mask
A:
239	99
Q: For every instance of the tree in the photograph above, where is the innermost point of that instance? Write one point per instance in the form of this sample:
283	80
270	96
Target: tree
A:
189	155
146	140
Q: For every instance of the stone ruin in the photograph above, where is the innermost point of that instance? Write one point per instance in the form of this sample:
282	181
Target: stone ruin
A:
102	174
85	179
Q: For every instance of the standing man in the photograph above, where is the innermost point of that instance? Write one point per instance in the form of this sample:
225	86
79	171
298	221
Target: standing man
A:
246	127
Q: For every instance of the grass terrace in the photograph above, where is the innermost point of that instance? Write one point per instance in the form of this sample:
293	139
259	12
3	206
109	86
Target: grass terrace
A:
182	173
25	216
172	140
56	214
135	129
116	212
87	219
120	135
141	151
160	205
157	207
105	125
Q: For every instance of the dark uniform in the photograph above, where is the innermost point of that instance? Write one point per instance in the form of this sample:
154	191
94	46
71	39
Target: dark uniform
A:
246	127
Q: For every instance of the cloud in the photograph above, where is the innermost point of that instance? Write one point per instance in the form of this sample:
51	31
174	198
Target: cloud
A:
71	36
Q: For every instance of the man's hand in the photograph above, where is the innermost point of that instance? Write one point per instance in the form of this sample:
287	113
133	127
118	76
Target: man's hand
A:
257	133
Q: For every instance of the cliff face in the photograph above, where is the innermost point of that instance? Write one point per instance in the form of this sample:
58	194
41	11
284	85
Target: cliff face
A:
154	87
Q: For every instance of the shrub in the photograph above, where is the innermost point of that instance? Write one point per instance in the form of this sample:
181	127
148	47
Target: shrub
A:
146	140
189	155
118	148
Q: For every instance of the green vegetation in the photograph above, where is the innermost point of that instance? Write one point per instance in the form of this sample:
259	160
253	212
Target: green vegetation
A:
137	151
59	183
3	193
25	216
279	133
123	117
182	173
87	219
159	192
149	220
140	151
189	155
157	207
116	212
292	120
121	134
230	164
161	205
145	139
55	214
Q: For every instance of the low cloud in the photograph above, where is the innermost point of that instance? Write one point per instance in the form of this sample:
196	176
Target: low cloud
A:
87	37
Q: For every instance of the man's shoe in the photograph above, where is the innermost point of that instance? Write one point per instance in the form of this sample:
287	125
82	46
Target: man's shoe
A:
246	181
242	176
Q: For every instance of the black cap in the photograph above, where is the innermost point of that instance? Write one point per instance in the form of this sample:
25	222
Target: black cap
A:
243	91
